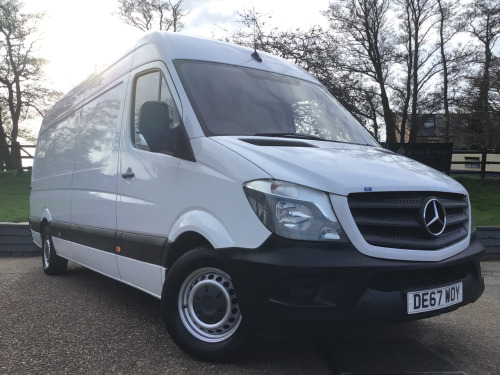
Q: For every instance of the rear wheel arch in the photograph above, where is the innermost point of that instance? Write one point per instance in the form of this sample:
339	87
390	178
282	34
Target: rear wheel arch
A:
52	263
44	223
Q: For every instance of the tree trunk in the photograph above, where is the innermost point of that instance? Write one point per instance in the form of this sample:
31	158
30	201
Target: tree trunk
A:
444	61
409	72
414	99
404	116
15	155
390	126
4	150
481	110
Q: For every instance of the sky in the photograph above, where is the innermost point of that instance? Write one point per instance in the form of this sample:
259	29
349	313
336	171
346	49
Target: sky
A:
78	36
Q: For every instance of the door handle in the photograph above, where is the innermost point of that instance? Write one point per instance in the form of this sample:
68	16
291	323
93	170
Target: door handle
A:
128	173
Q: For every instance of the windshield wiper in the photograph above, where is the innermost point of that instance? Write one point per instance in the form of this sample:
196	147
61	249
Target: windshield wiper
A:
291	135
309	136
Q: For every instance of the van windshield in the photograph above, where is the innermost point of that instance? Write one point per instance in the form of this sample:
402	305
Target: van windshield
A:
234	100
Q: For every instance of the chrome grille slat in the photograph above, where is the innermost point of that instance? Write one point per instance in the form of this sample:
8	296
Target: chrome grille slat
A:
395	219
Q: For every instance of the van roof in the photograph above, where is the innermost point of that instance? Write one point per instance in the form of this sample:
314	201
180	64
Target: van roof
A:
168	46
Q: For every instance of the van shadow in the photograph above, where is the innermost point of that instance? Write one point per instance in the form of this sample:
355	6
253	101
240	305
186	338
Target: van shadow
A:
129	304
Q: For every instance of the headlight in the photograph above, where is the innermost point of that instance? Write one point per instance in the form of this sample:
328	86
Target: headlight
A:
294	211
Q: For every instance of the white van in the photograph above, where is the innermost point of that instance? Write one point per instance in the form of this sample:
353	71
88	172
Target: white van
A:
232	186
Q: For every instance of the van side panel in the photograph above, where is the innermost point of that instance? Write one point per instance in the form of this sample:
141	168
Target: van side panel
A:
93	199
50	197
52	170
213	198
144	276
93	202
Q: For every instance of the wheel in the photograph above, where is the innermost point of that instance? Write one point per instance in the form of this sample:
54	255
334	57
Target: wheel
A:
52	263
200	308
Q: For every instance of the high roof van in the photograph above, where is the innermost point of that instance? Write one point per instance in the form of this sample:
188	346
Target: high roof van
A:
232	186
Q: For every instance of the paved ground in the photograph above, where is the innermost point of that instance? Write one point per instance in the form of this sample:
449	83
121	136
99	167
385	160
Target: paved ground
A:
85	323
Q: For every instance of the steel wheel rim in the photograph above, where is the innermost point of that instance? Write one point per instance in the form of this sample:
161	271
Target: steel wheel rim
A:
207	305
46	253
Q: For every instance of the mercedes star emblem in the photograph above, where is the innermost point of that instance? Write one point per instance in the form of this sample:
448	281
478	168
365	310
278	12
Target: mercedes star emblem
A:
434	216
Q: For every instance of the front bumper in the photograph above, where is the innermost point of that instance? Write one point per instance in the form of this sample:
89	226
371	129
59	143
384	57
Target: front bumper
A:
309	285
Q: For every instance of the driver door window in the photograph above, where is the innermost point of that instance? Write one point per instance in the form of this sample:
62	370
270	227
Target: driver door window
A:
152	86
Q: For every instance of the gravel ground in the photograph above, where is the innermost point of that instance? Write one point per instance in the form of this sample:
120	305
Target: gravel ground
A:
468	338
85	323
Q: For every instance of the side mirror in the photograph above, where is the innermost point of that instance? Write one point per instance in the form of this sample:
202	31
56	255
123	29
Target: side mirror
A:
154	127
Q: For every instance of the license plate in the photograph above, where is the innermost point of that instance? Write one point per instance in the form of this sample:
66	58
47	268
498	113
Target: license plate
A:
434	299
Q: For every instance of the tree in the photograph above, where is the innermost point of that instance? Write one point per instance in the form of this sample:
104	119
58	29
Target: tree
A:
152	14
495	89
5	160
316	51
453	59
419	20
310	49
23	93
484	24
366	41
304	48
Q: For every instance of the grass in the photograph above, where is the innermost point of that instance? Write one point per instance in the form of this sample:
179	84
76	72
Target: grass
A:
484	195
14	196
485	199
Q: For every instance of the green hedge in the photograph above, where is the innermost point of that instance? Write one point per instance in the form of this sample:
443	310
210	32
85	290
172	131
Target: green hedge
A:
484	194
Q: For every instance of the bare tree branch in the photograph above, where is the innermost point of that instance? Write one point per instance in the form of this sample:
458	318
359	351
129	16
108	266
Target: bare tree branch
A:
21	78
152	14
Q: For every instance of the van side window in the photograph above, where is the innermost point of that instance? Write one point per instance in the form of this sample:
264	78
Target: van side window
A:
157	129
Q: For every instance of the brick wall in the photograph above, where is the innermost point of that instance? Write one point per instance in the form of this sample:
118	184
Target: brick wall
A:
490	237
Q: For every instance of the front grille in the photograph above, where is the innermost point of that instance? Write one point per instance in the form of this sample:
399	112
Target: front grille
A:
396	219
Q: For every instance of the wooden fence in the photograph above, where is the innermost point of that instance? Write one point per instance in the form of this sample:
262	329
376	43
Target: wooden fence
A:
27	153
462	162
476	162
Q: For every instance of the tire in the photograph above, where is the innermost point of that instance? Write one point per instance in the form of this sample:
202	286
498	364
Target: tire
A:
51	262
199	307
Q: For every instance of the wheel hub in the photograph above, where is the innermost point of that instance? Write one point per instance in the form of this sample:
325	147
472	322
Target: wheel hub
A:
208	306
210	302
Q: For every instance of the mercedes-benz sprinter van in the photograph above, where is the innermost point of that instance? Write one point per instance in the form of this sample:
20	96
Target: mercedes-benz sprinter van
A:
233	187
